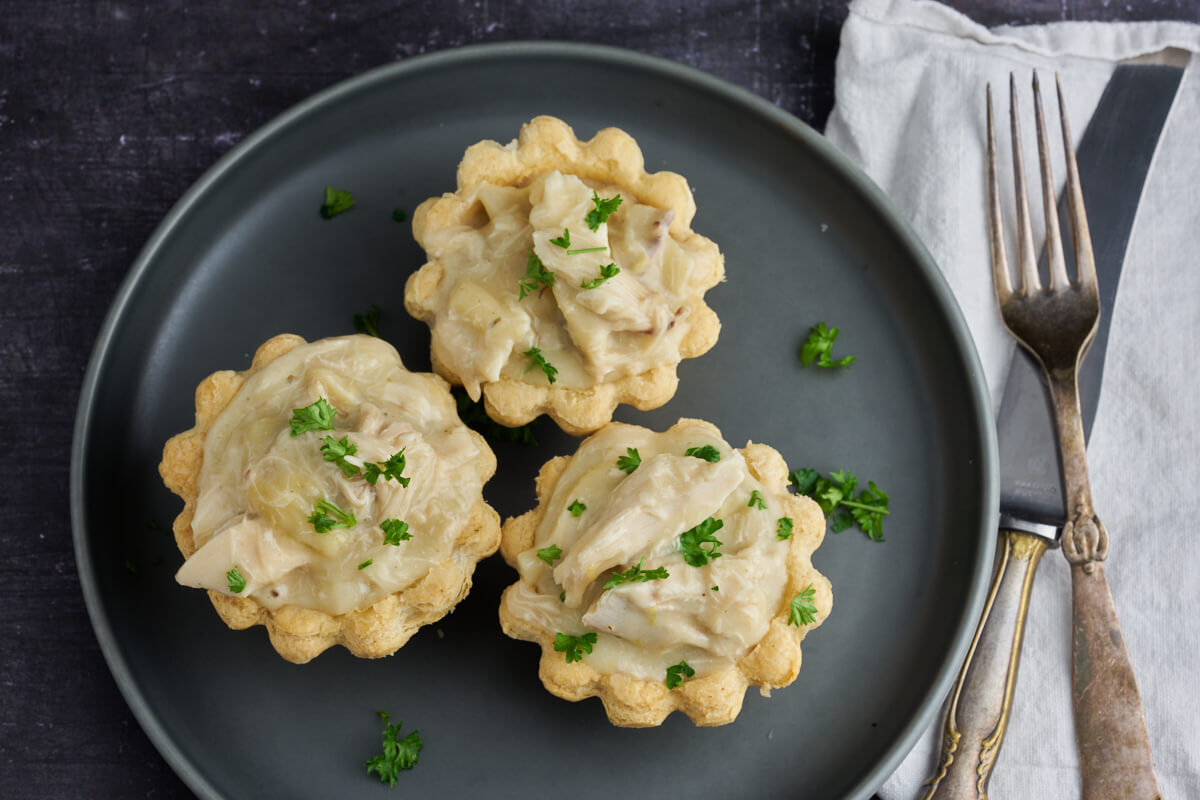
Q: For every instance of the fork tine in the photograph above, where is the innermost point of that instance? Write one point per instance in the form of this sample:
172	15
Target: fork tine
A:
1054	249
996	227
1030	282
1085	261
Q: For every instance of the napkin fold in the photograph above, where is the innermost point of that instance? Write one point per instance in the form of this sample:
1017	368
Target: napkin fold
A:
910	111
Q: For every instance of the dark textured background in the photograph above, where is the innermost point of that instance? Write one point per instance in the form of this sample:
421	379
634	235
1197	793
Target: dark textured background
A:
108	112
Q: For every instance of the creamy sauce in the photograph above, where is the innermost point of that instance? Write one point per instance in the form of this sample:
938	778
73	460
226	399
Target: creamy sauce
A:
259	484
637	518
627	325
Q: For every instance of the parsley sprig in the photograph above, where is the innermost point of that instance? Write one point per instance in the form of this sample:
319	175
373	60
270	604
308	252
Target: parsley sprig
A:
316	417
804	611
390	470
563	241
757	500
707	453
783	528
576	508
636	574
367	321
398	754
835	495
818	347
395	531
236	582
602	211
326	517
607	271
336	451
536	276
573	647
550	554
677	672
630	461
692	542
536	359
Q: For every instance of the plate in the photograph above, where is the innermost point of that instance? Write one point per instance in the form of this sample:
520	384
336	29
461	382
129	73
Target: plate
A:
244	255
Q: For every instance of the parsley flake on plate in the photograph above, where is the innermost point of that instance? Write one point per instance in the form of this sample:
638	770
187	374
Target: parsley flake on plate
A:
398	215
336	202
398	754
818	347
316	417
368	321
835	495
473	416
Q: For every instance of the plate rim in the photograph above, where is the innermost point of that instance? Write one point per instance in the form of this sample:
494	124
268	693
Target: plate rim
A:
979	402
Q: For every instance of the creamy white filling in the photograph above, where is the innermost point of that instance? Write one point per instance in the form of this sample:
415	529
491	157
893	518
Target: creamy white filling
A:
709	615
259	484
630	323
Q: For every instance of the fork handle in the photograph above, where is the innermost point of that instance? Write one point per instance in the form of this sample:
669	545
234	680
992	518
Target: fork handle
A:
1110	727
982	697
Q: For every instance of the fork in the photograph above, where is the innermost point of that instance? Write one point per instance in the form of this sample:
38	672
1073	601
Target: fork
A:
1056	323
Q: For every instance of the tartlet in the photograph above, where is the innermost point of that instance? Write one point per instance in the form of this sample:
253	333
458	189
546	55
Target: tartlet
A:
297	525
545	294
629	596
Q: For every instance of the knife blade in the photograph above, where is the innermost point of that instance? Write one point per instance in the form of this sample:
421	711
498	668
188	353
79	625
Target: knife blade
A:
1114	157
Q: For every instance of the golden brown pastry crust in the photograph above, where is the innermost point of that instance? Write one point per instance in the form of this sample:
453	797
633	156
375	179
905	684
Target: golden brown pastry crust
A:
300	634
712	699
611	157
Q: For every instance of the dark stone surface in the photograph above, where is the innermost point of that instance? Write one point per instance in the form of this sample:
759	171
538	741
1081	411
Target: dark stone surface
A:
108	112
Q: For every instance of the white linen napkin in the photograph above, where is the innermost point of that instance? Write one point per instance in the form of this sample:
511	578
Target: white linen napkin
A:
910	110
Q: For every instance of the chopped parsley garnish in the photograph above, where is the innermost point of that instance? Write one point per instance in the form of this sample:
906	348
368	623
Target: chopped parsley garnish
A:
603	210
818	346
368	322
707	453
636	574
757	501
391	470
236	582
784	528
692	542
550	554
571	646
563	241
473	416
536	359
716	588
536	276
326	516
336	201
129	565
606	272
395	531
397	754
582	250
676	674
576	508
317	417
803	610
398	215
835	496
366	563
630	461
336	451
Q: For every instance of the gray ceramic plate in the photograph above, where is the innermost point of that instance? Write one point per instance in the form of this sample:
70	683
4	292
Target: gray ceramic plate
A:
244	255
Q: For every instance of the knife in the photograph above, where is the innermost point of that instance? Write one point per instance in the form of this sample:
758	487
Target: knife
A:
1114	158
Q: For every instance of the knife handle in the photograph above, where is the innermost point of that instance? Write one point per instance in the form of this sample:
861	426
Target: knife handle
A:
982	695
1110	726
